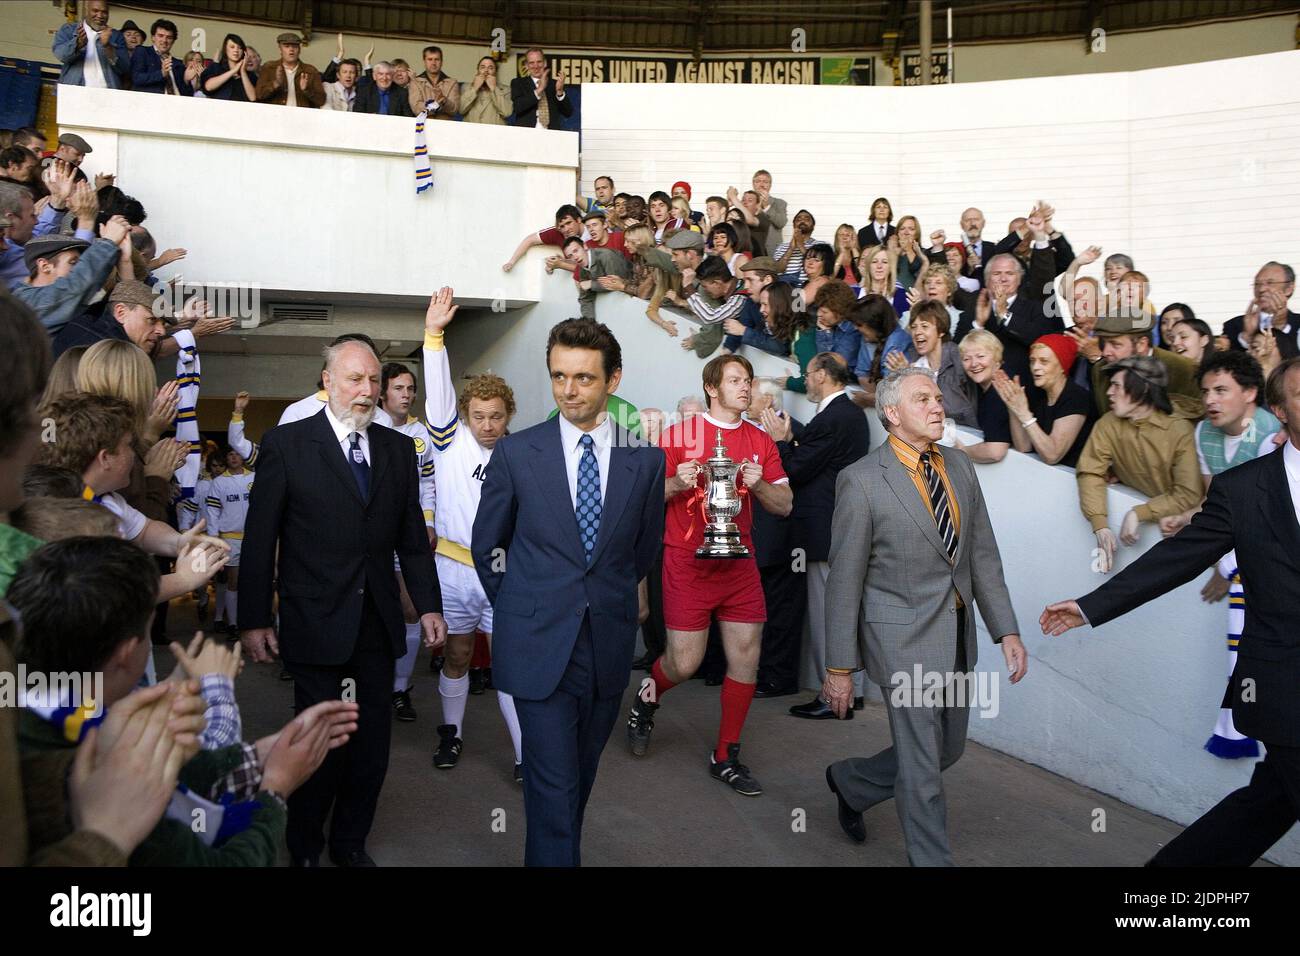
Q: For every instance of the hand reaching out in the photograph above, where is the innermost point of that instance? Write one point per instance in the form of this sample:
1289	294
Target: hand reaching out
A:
442	309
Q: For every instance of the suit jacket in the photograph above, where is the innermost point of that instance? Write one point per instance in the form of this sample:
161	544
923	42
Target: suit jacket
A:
272	88
1288	344
890	595
605	262
336	99
422	88
72	71
524	100
1028	322
867	235
530	559
367	101
836	437
774	219
1248	508
772	534
333	546
147	75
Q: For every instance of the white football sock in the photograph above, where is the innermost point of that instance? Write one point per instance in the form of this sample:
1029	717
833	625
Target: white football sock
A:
406	663
507	704
454	691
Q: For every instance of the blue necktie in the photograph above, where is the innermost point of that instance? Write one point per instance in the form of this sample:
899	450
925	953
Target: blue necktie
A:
588	502
360	469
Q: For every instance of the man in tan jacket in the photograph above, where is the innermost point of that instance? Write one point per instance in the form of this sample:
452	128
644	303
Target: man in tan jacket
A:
288	81
436	86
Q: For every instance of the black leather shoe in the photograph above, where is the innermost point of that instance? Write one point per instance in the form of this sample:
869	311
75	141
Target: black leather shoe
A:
353	858
402	709
859	703
713	680
643	663
476	685
765	690
817	709
850	822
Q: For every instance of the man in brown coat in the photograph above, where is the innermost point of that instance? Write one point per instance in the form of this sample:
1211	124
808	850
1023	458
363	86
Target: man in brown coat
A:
435	85
288	81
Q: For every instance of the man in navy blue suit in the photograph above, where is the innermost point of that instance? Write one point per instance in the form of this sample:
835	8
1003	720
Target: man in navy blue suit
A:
154	69
570	520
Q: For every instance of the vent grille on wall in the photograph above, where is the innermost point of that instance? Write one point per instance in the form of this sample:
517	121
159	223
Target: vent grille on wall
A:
299	312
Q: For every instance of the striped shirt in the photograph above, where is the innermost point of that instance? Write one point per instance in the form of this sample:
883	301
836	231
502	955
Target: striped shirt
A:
910	459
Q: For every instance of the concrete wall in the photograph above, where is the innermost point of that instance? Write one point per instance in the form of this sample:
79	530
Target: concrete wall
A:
1192	170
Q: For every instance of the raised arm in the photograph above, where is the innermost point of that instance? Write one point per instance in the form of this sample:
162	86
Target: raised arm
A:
439	394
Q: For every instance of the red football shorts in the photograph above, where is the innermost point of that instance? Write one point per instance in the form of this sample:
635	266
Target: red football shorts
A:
697	589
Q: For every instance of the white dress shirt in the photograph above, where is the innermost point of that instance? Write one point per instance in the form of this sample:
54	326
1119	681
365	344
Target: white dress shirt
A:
291	98
343	433
93	71
821	406
881	229
1291	459
602	437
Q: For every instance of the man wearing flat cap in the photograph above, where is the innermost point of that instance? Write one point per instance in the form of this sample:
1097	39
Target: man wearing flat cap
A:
289	81
66	272
1147	447
1124	336
687	249
129	316
92	53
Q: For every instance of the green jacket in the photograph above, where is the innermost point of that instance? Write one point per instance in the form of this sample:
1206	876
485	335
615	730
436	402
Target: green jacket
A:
172	843
804	348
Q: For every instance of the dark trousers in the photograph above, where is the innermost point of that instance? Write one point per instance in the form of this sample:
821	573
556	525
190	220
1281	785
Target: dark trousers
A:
351	777
654	632
786	594
563	736
1243	825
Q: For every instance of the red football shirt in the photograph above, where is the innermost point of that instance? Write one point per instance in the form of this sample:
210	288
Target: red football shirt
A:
693	440
613	240
551	237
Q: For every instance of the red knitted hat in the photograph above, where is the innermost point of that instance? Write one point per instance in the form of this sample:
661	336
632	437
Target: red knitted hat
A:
1064	347
683	184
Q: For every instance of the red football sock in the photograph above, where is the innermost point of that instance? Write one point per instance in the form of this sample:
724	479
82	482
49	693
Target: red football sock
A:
662	683
735	708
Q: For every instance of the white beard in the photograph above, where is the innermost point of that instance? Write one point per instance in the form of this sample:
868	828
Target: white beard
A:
356	420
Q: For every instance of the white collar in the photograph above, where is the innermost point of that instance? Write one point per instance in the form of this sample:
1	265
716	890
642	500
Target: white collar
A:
341	432
821	406
570	434
717	424
1291	459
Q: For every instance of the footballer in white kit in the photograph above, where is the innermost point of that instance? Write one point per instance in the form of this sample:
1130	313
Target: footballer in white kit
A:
227	510
464	433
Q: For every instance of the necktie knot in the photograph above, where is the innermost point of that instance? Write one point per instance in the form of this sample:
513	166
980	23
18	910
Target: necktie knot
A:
586	442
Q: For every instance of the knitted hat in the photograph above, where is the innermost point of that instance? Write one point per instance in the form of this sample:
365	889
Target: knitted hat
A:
685	185
1063	347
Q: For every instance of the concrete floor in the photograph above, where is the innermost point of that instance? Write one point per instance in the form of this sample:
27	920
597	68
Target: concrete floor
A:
666	809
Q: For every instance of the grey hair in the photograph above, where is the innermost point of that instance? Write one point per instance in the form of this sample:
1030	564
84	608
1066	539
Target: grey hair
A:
1006	255
1286	270
766	386
1120	259
890	391
690	398
11	198
383	63
331	352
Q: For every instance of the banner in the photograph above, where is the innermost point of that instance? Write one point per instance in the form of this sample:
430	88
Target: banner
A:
939	72
848	71
581	68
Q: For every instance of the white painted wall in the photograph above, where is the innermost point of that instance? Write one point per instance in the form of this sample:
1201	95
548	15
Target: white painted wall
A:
1192	170
323	202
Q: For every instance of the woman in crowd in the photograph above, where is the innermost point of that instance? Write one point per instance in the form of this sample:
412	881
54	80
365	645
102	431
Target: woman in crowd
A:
231	76
882	215
933	348
194	67
747	239
935	282
1130	298
878	269
1191	338
724	242
1170	316
1054	418
651	276
981	359
877	324
847	252
911	257
818	264
682	210
63	375
784	323
485	99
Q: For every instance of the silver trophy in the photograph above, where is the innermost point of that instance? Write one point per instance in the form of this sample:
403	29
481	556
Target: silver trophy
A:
721	504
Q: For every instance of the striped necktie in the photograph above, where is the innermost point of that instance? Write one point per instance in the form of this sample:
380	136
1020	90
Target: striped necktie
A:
939	505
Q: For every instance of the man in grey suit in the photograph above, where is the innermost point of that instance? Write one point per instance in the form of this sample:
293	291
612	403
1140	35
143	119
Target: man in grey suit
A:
588	266
912	550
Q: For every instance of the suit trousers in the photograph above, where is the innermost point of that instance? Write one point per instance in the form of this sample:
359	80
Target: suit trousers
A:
786	596
563	737
654	632
926	741
351	777
1243	825
814	648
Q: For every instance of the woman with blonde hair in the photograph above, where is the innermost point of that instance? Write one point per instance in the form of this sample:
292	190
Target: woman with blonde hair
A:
63	375
120	369
653	275
846	254
878	267
911	256
981	358
682	210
